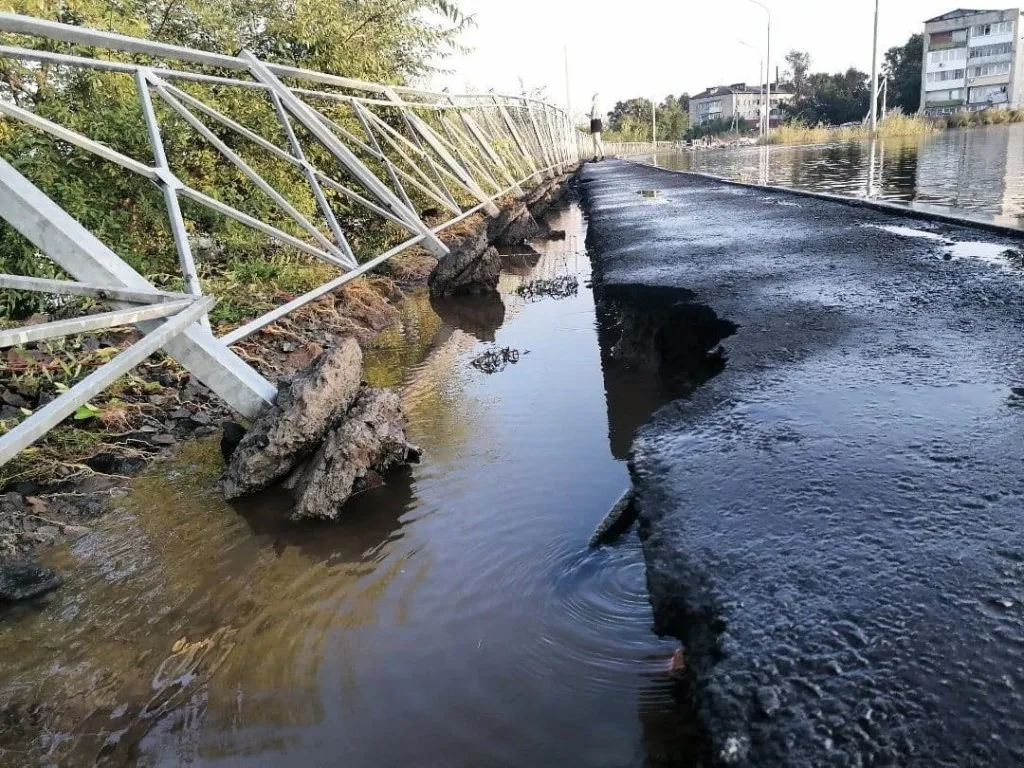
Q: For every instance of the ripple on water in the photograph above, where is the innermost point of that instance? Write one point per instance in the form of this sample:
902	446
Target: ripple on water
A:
459	600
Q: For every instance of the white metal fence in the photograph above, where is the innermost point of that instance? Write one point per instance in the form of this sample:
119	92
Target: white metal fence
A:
629	148
392	152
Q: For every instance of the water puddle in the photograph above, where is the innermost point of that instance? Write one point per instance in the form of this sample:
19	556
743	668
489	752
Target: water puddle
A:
453	617
998	254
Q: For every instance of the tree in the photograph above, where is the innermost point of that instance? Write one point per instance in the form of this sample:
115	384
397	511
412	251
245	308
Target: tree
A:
834	99
630	120
799	66
903	72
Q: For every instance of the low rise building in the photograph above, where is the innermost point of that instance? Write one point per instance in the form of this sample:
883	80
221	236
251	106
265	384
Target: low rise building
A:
972	61
737	102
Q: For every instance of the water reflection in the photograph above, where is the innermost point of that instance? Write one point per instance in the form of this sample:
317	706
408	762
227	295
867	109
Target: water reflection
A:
453	617
978	170
479	316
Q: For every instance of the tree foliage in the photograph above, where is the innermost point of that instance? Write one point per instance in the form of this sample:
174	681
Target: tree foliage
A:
797	71
630	120
833	99
902	67
389	41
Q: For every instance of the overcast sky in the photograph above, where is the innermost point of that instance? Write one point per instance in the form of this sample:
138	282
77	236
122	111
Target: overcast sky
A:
656	47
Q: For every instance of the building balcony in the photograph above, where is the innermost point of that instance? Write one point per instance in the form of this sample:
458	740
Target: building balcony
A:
948	45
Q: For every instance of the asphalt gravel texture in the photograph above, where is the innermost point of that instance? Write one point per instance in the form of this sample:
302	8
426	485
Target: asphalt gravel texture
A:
833	523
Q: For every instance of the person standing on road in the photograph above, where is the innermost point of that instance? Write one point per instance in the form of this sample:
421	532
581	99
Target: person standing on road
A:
596	126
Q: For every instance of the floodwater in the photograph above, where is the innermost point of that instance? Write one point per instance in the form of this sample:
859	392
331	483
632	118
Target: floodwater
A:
452	618
976	171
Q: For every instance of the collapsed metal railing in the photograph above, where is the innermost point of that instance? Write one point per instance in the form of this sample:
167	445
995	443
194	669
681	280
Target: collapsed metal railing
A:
413	150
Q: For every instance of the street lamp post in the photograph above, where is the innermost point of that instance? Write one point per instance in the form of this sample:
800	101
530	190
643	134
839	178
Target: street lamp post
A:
760	72
874	76
768	70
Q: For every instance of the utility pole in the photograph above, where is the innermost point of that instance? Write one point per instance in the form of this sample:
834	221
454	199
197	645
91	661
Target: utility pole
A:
768	70
654	123
874	76
762	76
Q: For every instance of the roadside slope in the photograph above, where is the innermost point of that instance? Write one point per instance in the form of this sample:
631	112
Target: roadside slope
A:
834	524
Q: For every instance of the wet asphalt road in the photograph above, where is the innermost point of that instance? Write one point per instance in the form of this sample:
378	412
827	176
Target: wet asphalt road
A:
834	524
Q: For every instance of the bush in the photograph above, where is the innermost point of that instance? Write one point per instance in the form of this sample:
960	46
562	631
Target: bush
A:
961	119
998	116
1016	115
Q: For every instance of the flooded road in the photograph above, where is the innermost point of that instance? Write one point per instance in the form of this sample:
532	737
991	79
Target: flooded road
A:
980	170
451	618
831	523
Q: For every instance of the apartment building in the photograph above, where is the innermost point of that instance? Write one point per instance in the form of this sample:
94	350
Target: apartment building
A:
971	61
737	101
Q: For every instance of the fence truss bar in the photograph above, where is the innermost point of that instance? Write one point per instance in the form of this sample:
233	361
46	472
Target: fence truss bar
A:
433	140
314	185
42	331
392	137
171	202
70	288
267	229
360	112
41	422
343	154
247	171
78	252
71	137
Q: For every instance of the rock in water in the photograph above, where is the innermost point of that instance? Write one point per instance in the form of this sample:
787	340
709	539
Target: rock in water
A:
22	578
308	404
471	267
616	522
496	227
370	438
520	230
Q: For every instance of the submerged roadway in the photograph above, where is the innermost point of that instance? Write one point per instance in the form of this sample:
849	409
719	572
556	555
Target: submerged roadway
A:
834	523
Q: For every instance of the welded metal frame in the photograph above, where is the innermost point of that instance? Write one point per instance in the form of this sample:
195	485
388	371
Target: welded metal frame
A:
447	148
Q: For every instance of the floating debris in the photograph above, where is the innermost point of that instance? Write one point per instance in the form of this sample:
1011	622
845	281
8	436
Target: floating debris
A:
496	360
557	288
651	193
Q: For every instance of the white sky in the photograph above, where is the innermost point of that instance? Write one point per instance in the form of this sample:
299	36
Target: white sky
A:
656	47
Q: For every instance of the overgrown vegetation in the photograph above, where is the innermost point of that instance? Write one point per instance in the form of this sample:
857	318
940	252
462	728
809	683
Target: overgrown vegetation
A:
386	41
893	125
983	117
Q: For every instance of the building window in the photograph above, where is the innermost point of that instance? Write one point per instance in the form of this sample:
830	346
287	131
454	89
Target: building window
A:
989	70
944	97
949	54
985	30
980	51
949	74
989	94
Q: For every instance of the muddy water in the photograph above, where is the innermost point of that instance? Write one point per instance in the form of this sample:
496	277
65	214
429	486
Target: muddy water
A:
452	618
978	170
